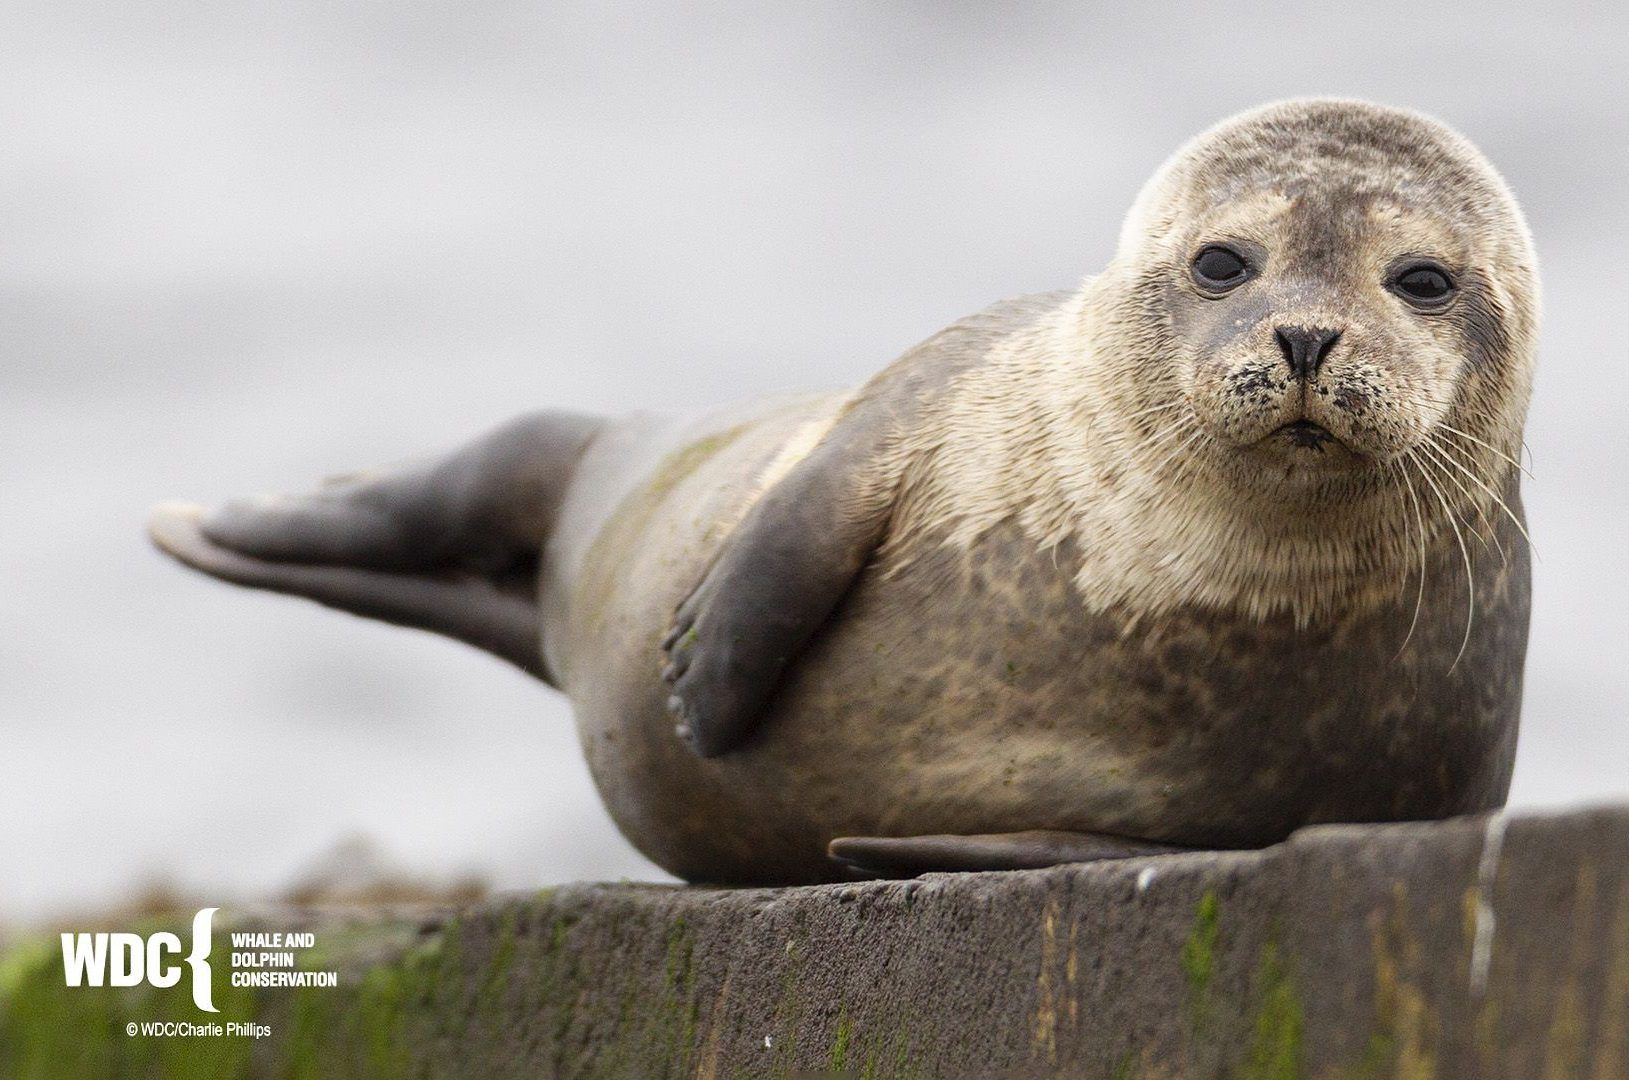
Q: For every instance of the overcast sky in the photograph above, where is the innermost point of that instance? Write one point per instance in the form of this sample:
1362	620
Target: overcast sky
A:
244	246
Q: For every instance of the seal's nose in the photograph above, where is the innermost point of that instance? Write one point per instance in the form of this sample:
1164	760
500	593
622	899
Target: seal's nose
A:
1305	348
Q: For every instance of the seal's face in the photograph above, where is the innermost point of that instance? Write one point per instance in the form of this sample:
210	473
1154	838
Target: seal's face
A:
1324	279
1323	329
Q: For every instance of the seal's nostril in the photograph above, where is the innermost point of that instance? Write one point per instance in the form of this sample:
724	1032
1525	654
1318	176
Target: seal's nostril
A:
1285	346
1305	348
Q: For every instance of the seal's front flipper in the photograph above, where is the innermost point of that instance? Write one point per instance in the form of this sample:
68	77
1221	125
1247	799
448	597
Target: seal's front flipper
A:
908	856
778	577
450	546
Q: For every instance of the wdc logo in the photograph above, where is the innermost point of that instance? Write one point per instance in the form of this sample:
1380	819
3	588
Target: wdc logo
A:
129	959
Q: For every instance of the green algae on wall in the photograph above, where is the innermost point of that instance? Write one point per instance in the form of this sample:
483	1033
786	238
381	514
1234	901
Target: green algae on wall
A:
1199	952
1199	959
1275	1048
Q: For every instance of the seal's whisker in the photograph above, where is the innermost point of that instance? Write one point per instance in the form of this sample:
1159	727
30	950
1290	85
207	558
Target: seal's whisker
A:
1170	438
1465	553
1419	521
1459	406
1181	447
1482	414
1464	409
1490	446
1167	433
1494	495
1439	453
1163	406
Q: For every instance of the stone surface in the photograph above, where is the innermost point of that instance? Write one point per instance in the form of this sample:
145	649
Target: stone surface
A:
1470	948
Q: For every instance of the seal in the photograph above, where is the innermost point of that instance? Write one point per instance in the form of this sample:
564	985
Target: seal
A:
1224	542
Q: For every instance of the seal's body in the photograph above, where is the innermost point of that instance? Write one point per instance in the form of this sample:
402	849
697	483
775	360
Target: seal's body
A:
972	690
1223	543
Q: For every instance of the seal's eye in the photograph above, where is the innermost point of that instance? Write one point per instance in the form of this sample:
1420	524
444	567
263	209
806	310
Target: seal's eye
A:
1425	285
1218	269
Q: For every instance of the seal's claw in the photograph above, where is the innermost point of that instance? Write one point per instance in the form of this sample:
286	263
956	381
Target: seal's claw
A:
709	700
687	720
714	711
679	628
689	726
679	647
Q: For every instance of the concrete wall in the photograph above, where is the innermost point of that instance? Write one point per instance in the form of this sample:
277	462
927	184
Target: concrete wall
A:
1472	948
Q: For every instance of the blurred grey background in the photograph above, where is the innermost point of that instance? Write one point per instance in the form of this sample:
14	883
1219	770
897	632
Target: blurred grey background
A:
242	246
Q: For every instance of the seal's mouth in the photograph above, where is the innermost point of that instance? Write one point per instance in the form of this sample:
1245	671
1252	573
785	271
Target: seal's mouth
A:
1306	435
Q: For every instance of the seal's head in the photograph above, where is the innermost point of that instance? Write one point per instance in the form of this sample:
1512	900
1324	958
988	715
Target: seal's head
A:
1324	283
1305	371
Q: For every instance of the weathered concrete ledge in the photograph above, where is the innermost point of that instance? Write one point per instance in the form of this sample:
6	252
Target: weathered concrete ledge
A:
1472	948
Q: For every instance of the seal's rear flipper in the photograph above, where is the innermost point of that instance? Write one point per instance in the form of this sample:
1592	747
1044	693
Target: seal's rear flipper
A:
459	605
907	856
450	545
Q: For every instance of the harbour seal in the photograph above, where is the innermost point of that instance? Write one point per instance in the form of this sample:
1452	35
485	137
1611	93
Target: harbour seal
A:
1224	542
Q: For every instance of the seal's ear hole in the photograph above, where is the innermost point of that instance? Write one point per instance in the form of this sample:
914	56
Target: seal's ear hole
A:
1423	284
1218	268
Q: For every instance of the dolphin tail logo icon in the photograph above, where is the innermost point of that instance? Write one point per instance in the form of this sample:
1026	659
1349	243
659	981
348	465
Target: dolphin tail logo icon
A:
198	959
